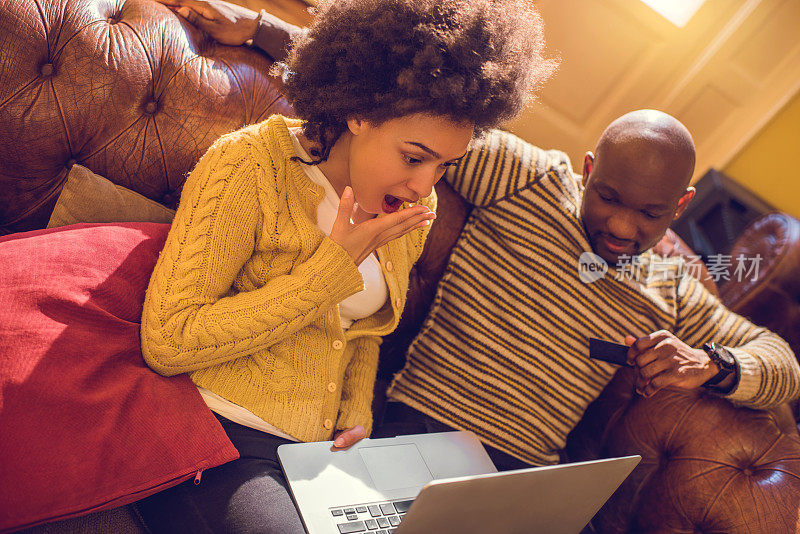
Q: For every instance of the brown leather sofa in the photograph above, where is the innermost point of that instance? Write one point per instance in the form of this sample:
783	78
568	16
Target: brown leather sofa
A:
128	90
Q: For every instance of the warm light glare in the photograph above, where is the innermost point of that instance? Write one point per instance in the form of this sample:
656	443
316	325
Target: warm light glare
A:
677	12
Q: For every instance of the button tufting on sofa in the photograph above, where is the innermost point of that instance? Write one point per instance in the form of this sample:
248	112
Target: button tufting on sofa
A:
170	200
692	446
94	102
151	107
663	460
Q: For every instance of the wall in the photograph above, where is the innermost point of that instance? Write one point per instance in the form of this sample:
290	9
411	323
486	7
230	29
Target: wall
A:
724	75
769	165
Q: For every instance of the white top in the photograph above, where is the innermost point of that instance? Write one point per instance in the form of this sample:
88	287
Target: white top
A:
362	304
375	293
237	414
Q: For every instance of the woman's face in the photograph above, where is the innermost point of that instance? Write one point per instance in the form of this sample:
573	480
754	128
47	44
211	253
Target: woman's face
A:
401	159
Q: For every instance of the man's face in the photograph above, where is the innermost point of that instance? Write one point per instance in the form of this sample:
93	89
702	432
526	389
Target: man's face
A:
632	194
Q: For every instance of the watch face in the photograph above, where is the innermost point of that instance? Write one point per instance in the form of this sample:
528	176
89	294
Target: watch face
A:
720	355
724	360
726	357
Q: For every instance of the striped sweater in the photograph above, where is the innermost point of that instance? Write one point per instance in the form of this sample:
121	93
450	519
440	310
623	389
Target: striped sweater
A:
503	352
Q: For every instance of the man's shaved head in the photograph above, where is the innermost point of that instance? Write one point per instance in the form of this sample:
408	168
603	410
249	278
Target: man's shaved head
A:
636	182
664	139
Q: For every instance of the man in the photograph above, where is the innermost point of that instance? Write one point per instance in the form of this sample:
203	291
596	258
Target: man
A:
503	351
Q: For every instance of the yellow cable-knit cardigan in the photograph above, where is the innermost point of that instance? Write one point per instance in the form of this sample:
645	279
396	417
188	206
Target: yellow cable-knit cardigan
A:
244	296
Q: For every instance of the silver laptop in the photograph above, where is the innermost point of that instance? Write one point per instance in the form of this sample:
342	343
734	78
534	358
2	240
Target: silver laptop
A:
441	482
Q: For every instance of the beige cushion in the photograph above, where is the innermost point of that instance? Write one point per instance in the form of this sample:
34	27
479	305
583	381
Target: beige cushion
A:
89	198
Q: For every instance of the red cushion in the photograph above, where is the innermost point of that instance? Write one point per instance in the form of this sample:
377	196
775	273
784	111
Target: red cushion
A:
85	424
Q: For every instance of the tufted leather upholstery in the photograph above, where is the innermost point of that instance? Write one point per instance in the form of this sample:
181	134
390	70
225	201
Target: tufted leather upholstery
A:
128	90
773	297
706	465
672	245
122	87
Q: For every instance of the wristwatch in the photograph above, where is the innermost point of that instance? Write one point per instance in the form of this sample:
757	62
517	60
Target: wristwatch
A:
726	363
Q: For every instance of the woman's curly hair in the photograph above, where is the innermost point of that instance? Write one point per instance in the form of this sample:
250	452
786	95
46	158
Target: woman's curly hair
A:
473	61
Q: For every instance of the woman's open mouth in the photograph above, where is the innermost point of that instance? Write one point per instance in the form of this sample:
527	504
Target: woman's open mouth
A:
391	204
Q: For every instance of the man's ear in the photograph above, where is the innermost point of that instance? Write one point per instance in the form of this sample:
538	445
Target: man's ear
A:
355	126
684	201
588	165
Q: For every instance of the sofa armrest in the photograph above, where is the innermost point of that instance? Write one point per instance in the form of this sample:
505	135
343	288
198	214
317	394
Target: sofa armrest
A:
769	297
706	465
672	245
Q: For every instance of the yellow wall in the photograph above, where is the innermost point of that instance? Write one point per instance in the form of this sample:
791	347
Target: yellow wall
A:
769	165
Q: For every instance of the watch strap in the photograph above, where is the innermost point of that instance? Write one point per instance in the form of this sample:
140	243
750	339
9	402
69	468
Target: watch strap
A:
726	368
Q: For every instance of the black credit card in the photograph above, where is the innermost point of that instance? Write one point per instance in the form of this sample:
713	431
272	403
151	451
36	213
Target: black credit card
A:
608	352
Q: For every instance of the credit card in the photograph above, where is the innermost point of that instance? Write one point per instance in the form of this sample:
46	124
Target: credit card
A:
607	351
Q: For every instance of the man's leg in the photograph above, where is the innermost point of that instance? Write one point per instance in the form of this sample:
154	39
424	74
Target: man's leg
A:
398	419
247	495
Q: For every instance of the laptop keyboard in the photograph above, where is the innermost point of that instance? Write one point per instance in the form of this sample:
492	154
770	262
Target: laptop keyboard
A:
373	518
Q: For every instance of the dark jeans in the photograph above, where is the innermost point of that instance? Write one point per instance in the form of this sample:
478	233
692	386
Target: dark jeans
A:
399	419
247	495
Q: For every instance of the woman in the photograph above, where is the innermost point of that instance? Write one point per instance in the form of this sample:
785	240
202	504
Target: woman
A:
291	248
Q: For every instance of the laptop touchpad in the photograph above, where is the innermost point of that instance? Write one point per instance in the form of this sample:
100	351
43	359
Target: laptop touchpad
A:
396	466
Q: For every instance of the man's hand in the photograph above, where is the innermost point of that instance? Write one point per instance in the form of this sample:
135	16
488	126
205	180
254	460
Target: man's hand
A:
349	437
362	239
227	23
662	360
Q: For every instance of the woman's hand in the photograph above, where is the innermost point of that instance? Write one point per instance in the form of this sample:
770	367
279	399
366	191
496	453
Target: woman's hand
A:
227	23
362	239
349	437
